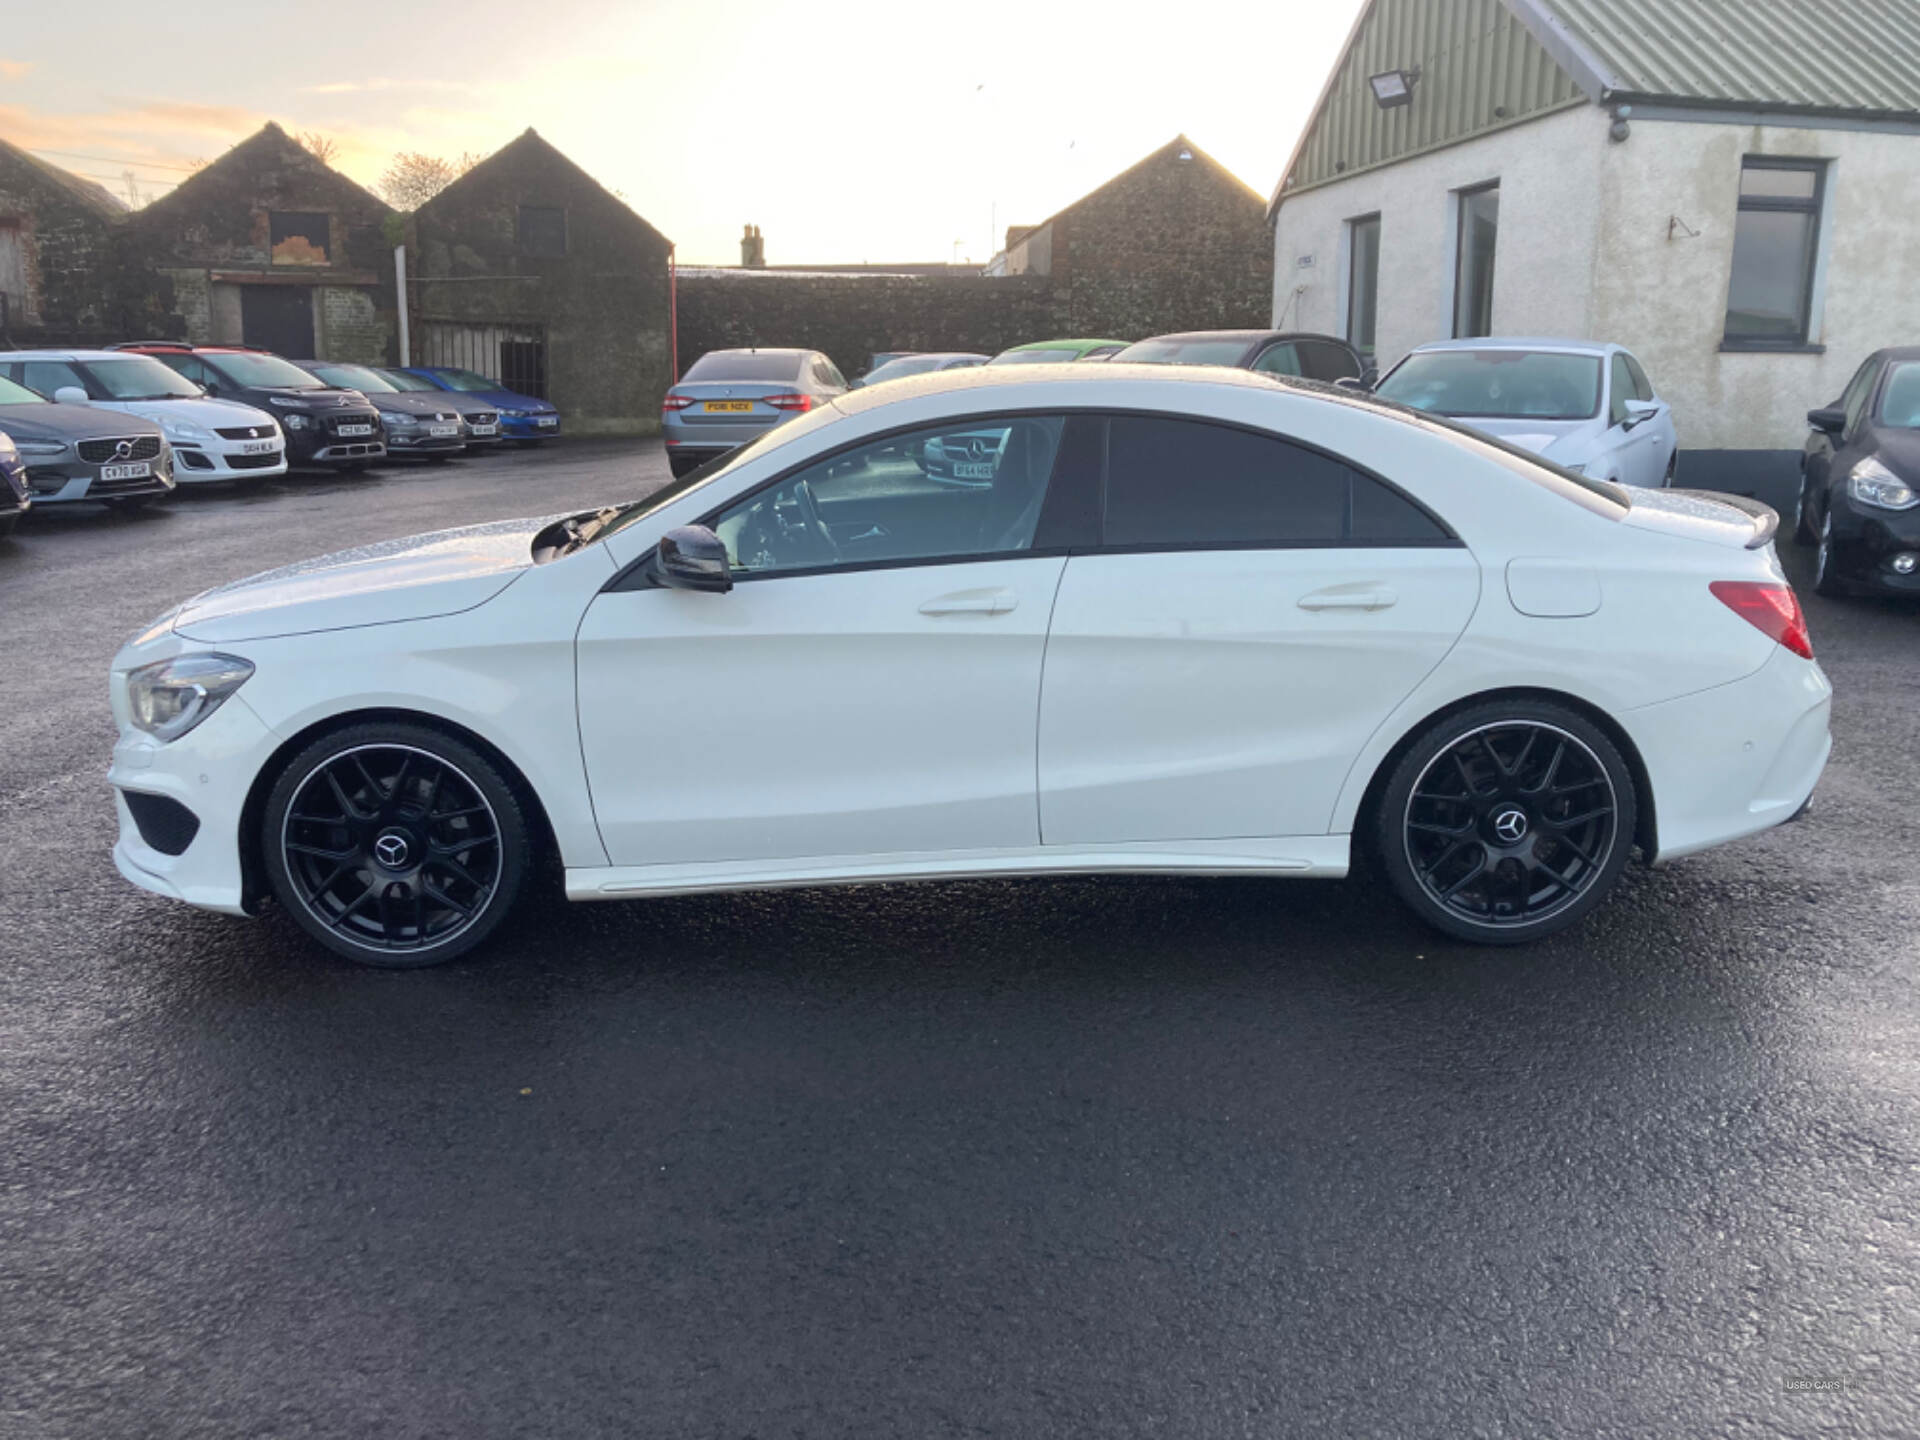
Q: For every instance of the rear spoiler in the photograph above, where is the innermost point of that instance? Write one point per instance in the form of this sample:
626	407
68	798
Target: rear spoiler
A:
1766	520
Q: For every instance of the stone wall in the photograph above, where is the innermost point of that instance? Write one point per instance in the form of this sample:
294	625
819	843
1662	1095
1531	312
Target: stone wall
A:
854	316
62	241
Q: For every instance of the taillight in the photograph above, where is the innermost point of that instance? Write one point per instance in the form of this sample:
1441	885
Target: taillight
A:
674	404
1769	607
794	401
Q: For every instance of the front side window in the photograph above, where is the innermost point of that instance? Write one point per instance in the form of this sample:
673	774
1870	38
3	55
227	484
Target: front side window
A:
543	231
1776	234
1497	384
1479	227
1188	483
1642	387
298	237
1363	281
959	489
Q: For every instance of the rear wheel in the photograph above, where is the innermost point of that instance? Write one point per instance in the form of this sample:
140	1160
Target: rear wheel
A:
682	465
1803	510
1507	822
394	845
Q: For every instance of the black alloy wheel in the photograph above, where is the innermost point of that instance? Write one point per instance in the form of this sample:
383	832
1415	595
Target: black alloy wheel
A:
1507	822
1803	510
394	845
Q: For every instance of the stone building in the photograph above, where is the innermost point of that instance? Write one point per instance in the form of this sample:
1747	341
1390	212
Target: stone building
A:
57	240
1177	242
525	268
270	246
1725	189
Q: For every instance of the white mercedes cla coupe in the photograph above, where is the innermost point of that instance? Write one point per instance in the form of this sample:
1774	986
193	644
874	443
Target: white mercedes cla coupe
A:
1194	621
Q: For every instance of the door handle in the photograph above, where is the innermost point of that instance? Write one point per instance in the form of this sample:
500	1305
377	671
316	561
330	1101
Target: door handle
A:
971	602
1349	597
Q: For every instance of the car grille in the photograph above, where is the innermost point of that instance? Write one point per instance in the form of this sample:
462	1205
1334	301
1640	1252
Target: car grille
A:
246	432
482	417
99	452
253	462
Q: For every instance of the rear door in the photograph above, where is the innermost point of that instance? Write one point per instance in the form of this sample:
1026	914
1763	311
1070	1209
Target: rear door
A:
1255	610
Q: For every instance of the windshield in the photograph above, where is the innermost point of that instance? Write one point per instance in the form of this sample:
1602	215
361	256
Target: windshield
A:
140	377
743	365
1034	357
1184	352
1900	406
401	380
468	381
12	394
353	377
267	370
1498	384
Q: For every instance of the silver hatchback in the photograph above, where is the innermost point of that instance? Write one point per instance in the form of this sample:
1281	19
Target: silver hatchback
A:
729	397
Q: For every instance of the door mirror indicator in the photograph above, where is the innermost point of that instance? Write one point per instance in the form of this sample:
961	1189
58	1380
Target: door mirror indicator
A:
1832	419
692	557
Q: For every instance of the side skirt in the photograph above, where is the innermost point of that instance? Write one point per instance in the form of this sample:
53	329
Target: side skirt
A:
1301	857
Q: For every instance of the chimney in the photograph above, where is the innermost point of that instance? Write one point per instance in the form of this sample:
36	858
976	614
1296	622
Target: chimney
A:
753	249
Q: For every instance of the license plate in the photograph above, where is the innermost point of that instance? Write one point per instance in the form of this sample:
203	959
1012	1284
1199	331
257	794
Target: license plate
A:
485	429
968	470
354	430
546	420
438	430
138	470
729	407
258	447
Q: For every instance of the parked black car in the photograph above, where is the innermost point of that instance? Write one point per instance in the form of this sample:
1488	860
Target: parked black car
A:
16	498
326	425
1276	352
1860	481
417	423
75	452
481	417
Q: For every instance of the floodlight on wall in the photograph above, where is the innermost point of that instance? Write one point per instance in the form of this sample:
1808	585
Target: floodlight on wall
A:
1393	87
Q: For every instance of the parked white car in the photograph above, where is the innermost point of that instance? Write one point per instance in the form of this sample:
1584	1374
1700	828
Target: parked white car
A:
1584	405
1195	620
211	439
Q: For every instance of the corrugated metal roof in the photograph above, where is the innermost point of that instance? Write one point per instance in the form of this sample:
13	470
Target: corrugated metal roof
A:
1852	56
1480	70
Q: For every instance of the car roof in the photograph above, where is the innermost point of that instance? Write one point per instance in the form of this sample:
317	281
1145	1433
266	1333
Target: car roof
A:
183	347
1522	342
54	352
1247	336
1121	373
776	350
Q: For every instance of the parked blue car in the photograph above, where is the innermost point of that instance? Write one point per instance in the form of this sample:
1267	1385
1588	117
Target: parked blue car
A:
522	417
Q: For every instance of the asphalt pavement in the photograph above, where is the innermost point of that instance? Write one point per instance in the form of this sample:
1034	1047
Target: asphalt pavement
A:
1115	1157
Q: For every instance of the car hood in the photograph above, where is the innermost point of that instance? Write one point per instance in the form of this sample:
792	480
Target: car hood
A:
330	398
414	402
69	422
415	578
1561	440
213	414
507	400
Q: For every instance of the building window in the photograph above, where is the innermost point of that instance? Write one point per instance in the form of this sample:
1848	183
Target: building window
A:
543	231
298	237
1776	234
1363	281
1479	227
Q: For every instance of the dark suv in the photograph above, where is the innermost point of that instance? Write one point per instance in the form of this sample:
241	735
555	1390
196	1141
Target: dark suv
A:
325	424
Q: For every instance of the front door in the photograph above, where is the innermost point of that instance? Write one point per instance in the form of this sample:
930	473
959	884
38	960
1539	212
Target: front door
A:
1257	610
870	684
278	318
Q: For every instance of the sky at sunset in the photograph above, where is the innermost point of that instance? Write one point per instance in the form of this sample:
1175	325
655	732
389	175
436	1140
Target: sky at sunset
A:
848	132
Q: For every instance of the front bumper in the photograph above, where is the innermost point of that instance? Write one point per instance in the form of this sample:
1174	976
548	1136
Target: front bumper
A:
530	427
417	441
1865	542
196	462
319	441
1737	759
65	479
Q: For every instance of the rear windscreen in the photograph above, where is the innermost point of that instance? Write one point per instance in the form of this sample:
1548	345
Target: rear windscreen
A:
744	365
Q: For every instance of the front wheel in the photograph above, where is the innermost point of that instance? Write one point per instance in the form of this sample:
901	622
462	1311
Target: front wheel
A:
1507	822
394	845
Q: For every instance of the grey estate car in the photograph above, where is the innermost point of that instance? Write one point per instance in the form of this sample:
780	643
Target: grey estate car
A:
728	397
75	452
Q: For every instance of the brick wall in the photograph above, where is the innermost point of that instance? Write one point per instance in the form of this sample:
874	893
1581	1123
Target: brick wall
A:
351	326
63	246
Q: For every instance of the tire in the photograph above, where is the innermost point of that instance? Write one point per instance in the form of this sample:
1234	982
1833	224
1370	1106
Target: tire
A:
1826	578
682	465
1673	470
7	524
1447	835
351	816
1803	511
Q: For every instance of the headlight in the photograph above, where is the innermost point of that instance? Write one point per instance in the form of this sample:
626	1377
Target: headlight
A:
1872	483
170	697
42	447
183	430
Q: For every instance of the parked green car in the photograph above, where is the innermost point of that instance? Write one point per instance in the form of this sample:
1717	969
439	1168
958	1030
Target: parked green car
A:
1058	352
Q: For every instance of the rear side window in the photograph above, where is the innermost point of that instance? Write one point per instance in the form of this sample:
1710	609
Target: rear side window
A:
1281	359
1190	483
744	365
47	376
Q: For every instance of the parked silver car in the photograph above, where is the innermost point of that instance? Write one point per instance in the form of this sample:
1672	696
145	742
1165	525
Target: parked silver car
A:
925	364
75	452
729	397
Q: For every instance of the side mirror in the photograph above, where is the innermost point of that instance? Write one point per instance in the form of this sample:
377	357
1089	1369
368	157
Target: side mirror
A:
69	395
691	557
1637	412
1831	419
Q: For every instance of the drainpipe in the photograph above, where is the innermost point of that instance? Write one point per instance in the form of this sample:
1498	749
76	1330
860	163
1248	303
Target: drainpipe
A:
673	312
400	284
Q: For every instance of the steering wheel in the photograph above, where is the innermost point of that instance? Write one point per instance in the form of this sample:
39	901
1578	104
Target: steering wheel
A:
810	518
